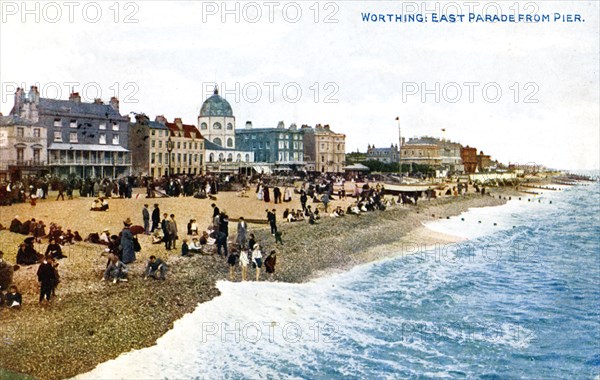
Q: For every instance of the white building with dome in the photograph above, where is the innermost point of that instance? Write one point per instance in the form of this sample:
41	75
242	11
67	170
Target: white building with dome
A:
217	125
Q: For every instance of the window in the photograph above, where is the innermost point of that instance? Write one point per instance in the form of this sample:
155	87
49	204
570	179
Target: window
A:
217	141
184	145
247	157
221	157
36	132
160	158
20	155
195	145
153	143
115	126
153	132
229	157
203	126
217	126
178	157
115	140
160	144
185	157
238	158
57	136
73	137
57	123
36	156
230	142
178	144
73	124
229	126
211	158
152	158
281	144
322	146
102	126
102	138
20	131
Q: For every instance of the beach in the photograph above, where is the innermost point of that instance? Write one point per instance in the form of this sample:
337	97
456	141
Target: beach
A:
99	321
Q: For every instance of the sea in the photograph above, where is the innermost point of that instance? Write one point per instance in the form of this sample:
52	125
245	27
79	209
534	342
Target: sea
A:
519	299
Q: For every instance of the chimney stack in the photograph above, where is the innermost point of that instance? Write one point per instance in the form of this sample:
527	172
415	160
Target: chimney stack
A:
179	123
114	103
248	124
98	101
281	125
161	119
74	97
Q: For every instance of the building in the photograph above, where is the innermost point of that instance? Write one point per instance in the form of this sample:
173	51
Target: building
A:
417	153
282	147
216	121
217	124
469	159
84	139
324	150
150	142
387	155
484	162
449	151
23	148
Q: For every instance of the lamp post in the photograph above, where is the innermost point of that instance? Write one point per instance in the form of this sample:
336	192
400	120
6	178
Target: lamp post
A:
399	149
170	146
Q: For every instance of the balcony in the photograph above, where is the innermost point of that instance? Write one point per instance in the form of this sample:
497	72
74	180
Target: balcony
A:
101	161
21	163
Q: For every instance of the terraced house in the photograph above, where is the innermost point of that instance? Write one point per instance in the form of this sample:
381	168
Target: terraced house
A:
84	139
160	147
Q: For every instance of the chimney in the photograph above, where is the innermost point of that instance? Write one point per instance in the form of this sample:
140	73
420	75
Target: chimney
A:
326	126
114	103
19	95
178	123
403	141
161	119
281	125
248	124
34	95
293	127
74	97
98	101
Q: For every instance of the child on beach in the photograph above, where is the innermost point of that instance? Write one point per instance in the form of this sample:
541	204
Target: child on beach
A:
13	297
244	261
257	260
232	261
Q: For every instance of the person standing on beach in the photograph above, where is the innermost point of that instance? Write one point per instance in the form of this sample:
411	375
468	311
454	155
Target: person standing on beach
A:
166	229
272	219
128	255
155	218
270	262
173	231
242	228
244	261
146	218
232	261
257	260
47	278
303	199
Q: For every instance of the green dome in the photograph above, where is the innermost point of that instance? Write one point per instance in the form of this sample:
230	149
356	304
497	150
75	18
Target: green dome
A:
216	106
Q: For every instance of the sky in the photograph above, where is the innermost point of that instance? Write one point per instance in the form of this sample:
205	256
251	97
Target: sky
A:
521	92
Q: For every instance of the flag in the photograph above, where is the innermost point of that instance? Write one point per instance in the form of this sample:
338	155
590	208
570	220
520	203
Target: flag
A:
397	117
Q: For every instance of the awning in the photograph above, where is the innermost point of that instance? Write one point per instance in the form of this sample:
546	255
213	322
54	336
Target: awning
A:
356	167
283	169
262	169
87	147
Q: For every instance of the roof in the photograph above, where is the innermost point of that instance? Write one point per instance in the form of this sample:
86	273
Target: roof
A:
188	130
156	125
216	106
87	147
14	120
67	106
209	145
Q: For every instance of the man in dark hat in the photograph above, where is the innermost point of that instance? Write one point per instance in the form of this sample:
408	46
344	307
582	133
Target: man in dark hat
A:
155	218
127	243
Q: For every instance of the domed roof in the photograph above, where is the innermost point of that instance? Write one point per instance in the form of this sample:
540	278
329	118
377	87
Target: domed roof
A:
216	106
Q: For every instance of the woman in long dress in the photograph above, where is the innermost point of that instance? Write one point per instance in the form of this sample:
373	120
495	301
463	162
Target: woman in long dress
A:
266	196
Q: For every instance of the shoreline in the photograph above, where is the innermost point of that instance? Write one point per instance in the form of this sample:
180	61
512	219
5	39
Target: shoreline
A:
101	322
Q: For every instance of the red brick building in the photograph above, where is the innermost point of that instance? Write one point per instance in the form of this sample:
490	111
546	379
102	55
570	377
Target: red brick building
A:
469	159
